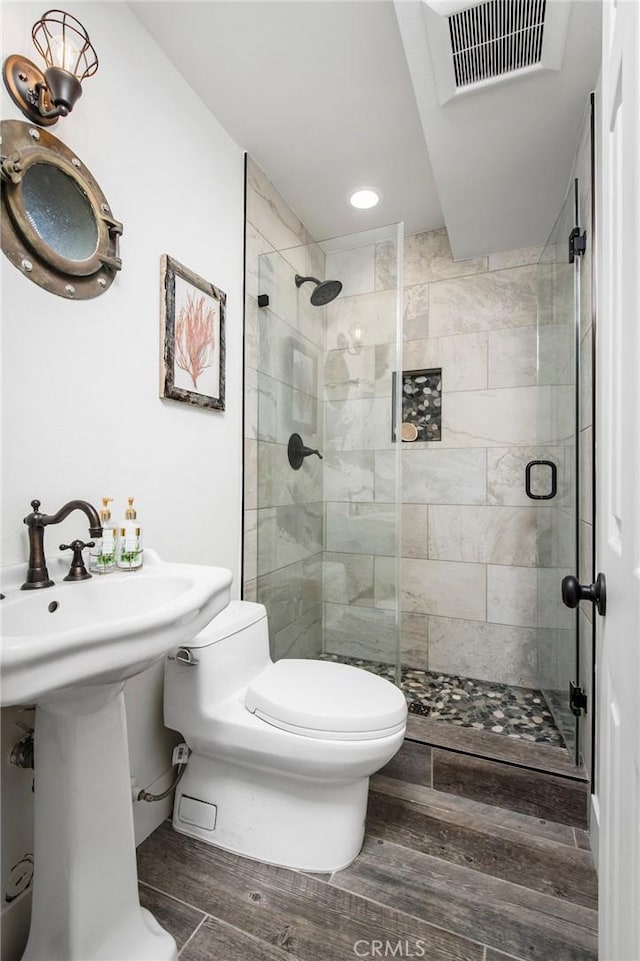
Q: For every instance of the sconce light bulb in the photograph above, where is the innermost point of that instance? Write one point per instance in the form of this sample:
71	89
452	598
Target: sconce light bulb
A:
64	54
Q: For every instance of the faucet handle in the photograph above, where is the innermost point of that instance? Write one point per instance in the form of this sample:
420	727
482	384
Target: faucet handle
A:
77	571
35	505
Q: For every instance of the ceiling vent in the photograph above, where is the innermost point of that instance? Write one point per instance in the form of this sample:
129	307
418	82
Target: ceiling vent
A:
495	38
475	44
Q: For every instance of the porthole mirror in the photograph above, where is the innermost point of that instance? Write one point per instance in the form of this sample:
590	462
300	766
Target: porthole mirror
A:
57	227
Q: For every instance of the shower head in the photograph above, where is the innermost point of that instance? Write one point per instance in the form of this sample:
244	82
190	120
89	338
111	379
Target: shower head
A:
325	292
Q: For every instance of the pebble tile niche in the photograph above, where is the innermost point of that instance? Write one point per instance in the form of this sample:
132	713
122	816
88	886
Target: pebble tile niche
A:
422	403
517	712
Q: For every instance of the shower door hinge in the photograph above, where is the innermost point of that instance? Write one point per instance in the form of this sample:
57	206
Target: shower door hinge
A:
577	699
577	243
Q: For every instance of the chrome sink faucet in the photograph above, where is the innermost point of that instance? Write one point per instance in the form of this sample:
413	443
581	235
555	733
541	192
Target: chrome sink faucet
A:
37	574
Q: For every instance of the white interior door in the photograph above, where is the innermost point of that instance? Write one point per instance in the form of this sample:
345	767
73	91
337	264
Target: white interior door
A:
618	483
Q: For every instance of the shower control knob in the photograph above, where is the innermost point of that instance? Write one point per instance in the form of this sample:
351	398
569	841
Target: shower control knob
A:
296	451
573	592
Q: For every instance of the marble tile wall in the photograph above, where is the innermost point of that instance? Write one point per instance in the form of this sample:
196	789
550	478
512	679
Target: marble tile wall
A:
470	534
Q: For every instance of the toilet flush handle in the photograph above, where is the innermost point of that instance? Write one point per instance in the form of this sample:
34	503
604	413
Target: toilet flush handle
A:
185	656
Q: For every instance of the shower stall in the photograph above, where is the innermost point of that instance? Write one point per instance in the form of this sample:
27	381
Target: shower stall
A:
417	466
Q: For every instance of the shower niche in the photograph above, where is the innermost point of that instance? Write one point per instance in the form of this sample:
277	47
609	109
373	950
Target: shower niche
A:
421	393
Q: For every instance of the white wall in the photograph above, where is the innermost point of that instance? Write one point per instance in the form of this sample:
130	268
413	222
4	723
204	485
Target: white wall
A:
82	415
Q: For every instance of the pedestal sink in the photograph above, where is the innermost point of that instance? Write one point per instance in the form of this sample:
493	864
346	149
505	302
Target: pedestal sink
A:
69	649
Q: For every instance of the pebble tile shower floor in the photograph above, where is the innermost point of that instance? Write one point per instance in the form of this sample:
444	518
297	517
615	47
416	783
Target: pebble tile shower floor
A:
517	712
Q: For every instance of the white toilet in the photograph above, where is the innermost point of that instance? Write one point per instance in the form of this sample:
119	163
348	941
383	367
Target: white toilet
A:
281	752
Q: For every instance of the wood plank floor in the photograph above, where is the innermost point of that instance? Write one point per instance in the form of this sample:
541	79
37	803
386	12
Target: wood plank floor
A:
440	877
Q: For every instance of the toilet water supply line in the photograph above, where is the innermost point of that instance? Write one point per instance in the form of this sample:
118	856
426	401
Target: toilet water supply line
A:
179	759
22	755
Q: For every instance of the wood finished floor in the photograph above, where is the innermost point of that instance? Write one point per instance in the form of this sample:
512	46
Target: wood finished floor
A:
444	877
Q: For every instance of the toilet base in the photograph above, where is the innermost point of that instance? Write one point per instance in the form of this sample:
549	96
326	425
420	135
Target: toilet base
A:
294	822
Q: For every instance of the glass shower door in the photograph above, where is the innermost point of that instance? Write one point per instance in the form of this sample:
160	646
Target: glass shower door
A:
553	474
328	530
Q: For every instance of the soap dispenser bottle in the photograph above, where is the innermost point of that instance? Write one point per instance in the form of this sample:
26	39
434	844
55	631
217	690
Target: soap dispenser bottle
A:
130	543
102	557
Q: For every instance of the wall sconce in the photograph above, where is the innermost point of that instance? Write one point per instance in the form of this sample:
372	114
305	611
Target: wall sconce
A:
69	57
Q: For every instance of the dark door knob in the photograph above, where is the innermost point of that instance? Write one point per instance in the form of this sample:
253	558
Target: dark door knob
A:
573	592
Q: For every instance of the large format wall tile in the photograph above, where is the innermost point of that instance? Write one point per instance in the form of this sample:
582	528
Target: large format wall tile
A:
519	257
505	298
512	595
557	538
363	424
359	528
437	476
491	652
288	534
427	257
414	640
354	268
287	355
256	245
483	535
301	638
507	417
348	475
348	579
386	265
444	588
463	359
556	362
551	610
385	580
416	312
556	415
513	357
279	484
375	315
283	409
270	214
291	591
351	372
415	527
361	632
250	555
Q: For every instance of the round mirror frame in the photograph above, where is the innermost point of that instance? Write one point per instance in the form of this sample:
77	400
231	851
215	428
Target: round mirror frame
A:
22	146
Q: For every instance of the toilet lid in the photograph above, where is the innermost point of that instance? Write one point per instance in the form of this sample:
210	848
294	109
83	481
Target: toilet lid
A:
324	699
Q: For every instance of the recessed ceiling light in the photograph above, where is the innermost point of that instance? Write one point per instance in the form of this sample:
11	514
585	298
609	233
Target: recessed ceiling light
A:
364	198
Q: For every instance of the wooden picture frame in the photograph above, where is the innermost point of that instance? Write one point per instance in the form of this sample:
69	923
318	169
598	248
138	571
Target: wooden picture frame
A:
192	331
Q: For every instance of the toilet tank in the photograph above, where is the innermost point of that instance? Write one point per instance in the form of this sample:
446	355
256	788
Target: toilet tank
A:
230	651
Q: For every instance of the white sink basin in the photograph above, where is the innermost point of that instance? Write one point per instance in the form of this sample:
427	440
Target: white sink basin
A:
101	630
69	648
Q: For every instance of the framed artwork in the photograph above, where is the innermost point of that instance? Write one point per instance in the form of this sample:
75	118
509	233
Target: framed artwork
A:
192	316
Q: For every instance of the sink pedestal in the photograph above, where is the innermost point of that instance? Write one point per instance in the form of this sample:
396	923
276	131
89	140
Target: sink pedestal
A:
85	893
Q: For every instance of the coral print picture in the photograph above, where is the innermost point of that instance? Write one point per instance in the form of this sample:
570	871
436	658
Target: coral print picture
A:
192	337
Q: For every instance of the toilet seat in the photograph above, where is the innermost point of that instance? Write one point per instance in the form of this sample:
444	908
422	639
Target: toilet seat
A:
324	699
